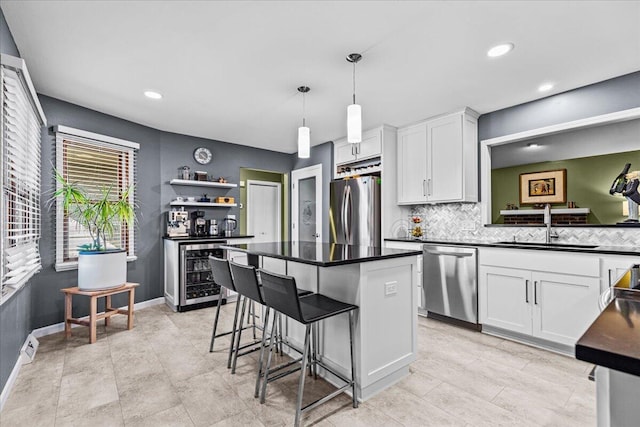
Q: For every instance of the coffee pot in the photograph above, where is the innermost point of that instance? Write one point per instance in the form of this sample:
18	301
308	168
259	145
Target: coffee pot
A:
229	225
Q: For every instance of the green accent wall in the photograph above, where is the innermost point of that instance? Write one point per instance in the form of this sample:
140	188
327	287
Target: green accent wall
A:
588	183
261	175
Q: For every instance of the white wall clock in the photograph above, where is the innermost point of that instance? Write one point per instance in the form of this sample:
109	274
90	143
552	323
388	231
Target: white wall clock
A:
202	155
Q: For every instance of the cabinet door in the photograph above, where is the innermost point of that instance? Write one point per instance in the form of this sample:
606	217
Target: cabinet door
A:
412	171
344	152
444	159
504	295
564	306
371	145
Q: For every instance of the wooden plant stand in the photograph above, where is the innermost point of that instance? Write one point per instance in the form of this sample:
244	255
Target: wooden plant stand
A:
93	315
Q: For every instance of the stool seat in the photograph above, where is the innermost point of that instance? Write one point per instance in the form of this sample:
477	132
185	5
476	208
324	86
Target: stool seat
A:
316	307
281	294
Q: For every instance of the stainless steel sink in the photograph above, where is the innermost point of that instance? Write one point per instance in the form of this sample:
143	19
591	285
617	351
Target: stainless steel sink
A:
548	245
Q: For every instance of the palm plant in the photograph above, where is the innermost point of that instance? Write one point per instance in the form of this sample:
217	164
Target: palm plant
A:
97	213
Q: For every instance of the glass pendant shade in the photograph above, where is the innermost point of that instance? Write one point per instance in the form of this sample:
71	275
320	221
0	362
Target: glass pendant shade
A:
354	123
304	142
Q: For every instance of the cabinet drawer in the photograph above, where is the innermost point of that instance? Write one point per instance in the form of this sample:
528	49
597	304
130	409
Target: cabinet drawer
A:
578	264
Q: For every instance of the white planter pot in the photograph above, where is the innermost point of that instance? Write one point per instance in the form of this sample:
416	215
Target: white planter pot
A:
102	270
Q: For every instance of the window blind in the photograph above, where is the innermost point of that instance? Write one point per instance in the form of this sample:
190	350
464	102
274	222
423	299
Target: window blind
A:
21	124
95	166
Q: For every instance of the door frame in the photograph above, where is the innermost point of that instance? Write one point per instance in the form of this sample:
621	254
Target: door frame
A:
296	176
277	185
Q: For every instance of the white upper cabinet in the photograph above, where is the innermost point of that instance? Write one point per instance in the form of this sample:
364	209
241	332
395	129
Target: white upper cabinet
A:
370	147
438	160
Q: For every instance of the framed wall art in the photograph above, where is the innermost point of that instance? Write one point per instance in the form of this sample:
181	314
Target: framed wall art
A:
543	187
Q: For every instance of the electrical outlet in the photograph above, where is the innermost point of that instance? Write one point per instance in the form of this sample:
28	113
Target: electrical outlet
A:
468	225
390	288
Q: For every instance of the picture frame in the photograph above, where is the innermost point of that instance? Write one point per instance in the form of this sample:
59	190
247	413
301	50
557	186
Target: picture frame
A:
543	187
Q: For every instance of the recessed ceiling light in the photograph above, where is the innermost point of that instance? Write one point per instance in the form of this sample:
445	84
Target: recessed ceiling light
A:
533	145
153	95
546	87
499	50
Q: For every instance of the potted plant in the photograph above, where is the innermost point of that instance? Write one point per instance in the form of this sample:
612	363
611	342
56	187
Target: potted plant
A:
99	266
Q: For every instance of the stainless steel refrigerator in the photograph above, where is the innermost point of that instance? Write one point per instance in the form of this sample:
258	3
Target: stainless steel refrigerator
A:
354	213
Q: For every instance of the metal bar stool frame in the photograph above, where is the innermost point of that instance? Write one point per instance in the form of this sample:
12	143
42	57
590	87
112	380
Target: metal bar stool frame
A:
221	273
280	294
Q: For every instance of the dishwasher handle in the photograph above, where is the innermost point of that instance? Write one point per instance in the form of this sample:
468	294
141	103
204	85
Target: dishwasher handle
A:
456	254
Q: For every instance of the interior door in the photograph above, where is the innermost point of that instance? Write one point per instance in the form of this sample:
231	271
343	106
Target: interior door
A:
306	204
264	216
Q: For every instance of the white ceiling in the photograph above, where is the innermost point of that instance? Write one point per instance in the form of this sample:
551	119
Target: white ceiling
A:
229	70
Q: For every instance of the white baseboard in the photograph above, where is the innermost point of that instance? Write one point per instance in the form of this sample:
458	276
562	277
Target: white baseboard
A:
6	390
59	327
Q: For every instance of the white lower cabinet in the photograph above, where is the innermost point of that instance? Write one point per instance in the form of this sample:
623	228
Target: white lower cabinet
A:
547	295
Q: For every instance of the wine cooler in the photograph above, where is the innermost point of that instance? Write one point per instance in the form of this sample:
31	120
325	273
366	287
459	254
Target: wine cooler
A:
188	282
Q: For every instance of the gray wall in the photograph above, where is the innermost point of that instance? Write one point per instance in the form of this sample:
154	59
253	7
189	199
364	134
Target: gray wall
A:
620	93
15	321
46	294
320	154
177	150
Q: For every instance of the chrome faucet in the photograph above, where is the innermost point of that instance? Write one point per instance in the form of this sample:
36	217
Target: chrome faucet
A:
547	220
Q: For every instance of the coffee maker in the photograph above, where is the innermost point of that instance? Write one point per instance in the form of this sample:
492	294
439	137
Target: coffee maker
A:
177	223
198	224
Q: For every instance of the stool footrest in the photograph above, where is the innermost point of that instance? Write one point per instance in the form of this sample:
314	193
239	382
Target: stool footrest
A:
325	398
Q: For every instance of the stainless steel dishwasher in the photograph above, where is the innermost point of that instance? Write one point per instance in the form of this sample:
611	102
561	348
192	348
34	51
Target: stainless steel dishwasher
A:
449	283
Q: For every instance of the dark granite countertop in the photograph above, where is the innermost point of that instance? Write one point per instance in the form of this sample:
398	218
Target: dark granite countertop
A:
195	239
559	246
613	339
322	254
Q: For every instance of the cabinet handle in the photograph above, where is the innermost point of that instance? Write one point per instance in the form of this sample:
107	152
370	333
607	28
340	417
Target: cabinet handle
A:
424	187
526	291
358	148
429	187
352	153
535	292
609	277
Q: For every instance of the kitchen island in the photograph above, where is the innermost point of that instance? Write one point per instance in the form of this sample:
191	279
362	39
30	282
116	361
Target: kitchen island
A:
380	281
612	342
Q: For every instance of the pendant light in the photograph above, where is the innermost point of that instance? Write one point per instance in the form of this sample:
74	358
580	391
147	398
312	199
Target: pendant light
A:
354	111
304	134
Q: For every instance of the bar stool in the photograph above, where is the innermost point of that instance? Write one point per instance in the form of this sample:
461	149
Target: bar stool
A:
222	277
280	293
247	283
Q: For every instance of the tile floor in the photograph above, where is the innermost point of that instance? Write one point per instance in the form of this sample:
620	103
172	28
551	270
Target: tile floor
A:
161	374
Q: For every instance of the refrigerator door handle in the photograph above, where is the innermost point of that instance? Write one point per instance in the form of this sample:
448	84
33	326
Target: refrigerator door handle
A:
344	213
348	211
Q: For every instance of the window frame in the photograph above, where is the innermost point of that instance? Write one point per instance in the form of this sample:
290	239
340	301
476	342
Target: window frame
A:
66	132
19	67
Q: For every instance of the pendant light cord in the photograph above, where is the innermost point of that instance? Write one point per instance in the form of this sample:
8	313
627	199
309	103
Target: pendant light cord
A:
354	82
304	114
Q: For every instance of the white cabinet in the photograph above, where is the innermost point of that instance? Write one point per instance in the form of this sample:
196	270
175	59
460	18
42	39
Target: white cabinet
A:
438	160
418	279
504	298
370	147
548	295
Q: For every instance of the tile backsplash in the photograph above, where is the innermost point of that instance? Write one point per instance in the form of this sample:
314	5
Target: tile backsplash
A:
463	221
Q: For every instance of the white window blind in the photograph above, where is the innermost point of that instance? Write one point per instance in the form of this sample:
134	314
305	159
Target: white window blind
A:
94	163
22	120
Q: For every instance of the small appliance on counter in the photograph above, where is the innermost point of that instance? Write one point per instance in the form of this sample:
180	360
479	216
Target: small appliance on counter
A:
212	226
626	183
229	225
177	223
198	224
